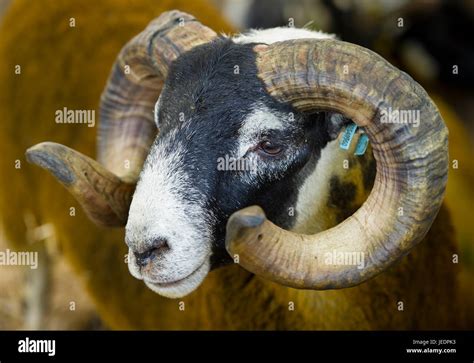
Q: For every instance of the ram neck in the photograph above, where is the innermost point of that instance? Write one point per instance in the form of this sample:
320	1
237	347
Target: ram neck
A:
337	186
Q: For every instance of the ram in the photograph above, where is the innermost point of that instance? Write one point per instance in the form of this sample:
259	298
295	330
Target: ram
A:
279	99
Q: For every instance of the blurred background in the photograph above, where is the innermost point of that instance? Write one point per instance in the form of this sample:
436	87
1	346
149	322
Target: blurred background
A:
429	39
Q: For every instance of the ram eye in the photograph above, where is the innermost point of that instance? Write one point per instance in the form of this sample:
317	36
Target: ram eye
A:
269	148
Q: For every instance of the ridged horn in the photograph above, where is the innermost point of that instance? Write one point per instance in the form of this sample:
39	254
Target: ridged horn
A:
412	166
126	129
127	126
104	196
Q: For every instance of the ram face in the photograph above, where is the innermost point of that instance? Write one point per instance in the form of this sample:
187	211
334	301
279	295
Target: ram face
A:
224	144
271	105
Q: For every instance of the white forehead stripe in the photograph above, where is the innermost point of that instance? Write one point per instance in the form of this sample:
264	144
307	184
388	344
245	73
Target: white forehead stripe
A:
273	35
261	119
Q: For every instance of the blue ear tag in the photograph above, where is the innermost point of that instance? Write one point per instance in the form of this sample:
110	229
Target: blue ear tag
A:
348	136
361	144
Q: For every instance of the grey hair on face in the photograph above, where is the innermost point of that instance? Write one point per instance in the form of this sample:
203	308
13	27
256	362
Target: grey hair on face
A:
167	207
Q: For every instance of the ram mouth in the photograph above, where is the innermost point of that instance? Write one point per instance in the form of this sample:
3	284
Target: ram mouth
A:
183	286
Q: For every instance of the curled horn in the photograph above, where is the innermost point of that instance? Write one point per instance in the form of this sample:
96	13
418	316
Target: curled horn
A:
127	129
412	166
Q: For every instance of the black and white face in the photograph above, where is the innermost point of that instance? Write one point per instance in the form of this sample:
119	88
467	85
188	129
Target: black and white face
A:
224	144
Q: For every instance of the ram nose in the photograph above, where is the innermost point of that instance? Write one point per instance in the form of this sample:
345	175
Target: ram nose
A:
154	250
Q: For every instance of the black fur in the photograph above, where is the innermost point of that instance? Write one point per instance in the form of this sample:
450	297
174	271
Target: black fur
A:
341	197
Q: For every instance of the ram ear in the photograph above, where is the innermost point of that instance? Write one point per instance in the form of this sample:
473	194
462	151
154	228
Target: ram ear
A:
103	195
336	123
328	122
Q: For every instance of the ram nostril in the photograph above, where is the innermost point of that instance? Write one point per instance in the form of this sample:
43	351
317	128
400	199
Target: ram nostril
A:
157	247
160	244
142	259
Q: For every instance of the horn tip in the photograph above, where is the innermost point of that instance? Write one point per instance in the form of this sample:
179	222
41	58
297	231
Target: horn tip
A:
242	227
250	217
47	156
